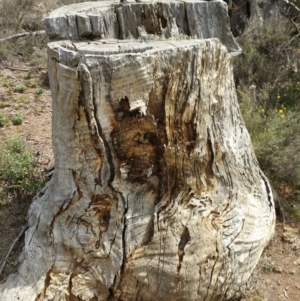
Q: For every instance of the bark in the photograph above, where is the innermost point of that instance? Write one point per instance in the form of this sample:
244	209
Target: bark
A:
156	192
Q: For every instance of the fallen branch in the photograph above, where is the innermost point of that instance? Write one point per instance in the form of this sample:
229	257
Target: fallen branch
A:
23	34
12	68
12	246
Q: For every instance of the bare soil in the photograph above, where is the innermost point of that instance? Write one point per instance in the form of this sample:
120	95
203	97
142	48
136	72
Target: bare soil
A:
277	275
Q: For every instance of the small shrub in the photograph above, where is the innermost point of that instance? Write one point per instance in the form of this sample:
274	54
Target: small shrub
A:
19	88
4	104
268	82
27	76
31	84
17	119
275	135
39	91
24	99
17	171
9	91
7	83
37	98
3	119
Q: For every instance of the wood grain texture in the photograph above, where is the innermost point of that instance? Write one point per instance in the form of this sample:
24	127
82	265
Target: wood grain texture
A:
156	193
147	21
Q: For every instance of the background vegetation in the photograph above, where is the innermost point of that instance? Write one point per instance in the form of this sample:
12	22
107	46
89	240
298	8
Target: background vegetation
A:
268	84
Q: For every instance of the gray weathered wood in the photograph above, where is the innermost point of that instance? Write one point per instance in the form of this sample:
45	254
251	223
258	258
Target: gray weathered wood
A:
163	19
156	192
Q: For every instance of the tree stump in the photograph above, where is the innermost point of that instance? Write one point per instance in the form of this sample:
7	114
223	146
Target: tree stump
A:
156	193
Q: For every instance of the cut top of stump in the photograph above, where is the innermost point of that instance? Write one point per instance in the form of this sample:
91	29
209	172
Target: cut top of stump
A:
145	21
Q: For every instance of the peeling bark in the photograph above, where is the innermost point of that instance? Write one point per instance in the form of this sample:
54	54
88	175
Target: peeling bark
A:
156	193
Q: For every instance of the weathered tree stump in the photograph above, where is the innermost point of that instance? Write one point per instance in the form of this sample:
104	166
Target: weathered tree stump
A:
156	194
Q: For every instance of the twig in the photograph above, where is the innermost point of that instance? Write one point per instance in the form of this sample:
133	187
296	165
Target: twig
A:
295	37
23	34
276	80
11	247
292	5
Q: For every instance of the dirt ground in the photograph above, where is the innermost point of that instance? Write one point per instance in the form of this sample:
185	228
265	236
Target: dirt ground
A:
35	129
277	276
